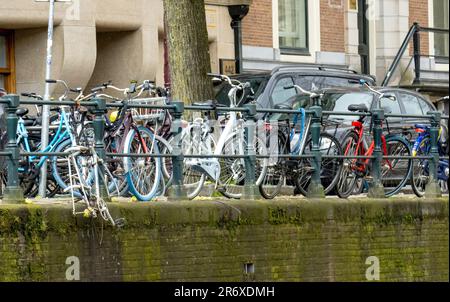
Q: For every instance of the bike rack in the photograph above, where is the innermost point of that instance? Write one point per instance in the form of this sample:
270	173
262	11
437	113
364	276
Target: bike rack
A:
14	194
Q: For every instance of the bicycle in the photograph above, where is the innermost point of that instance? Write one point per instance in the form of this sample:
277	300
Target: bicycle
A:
285	169
228	173
420	176
394	172
125	135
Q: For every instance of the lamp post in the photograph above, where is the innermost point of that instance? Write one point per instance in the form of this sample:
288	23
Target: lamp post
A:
46	108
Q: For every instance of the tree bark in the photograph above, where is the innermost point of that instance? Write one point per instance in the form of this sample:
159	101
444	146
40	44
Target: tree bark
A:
187	39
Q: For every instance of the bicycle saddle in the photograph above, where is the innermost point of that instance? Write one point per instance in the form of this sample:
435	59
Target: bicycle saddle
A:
22	111
37	120
208	103
358	108
283	107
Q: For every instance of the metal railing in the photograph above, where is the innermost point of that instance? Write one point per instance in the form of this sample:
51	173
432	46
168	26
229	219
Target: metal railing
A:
414	35
14	193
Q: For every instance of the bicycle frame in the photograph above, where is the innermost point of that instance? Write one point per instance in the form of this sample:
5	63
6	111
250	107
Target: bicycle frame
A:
60	135
360	148
424	133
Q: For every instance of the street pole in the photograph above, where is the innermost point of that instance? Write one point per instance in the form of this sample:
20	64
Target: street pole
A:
46	108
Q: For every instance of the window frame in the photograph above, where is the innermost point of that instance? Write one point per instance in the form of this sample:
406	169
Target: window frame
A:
9	72
441	60
303	51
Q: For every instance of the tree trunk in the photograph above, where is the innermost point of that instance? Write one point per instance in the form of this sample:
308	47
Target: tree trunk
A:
187	39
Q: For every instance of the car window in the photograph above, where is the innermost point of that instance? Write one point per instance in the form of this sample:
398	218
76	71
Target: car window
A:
341	101
281	95
426	107
320	82
411	104
392	105
258	85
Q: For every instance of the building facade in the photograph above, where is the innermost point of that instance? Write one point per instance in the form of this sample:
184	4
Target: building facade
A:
364	35
121	40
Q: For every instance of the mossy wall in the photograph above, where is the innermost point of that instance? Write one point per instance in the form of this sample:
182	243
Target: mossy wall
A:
327	240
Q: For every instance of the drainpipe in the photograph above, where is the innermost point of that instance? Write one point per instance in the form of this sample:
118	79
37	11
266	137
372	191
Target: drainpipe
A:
237	13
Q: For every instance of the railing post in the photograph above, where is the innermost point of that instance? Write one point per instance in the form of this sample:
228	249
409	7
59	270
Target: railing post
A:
315	188
251	191
416	46
376	189
99	110
13	192
433	189
177	190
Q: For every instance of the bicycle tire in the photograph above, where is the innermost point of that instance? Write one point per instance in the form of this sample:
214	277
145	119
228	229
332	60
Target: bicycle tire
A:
60	172
276	170
148	190
419	188
403	142
349	189
234	190
303	180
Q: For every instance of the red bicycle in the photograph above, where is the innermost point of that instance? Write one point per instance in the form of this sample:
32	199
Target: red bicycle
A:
394	172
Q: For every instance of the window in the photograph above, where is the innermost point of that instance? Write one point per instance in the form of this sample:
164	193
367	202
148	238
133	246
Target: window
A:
320	82
7	76
393	106
411	104
292	20
440	20
341	101
280	95
426	107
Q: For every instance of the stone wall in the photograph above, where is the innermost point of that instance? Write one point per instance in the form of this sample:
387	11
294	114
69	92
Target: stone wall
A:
291	240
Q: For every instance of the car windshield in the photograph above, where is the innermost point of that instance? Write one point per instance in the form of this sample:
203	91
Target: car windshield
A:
341	101
257	83
318	82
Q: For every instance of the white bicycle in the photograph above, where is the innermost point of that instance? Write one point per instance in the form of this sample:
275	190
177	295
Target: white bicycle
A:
226	141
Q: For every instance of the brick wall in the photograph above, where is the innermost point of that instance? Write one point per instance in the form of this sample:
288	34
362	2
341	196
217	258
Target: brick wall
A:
332	25
418	12
295	240
257	25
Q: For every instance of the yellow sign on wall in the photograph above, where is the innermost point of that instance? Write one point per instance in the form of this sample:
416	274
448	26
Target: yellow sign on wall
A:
227	66
353	4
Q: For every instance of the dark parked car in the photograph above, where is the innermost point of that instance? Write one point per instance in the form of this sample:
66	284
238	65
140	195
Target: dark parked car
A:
401	102
269	87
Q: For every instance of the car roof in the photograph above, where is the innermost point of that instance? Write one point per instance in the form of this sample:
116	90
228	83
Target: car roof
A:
363	89
307	70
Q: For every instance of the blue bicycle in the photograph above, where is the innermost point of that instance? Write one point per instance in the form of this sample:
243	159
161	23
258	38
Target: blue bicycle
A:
421	170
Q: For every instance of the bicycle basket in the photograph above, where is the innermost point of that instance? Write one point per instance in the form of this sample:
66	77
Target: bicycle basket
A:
148	114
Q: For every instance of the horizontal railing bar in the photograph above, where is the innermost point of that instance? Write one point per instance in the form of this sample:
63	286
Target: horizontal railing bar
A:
211	108
56	103
346	113
434	29
42	154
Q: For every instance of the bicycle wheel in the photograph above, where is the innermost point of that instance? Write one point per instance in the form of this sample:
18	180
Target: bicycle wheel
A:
232	170
396	172
61	170
420	175
143	173
119	184
330	167
348	178
276	170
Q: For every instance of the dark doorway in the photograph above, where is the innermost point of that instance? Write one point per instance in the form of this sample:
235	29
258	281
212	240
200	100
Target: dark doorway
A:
363	28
